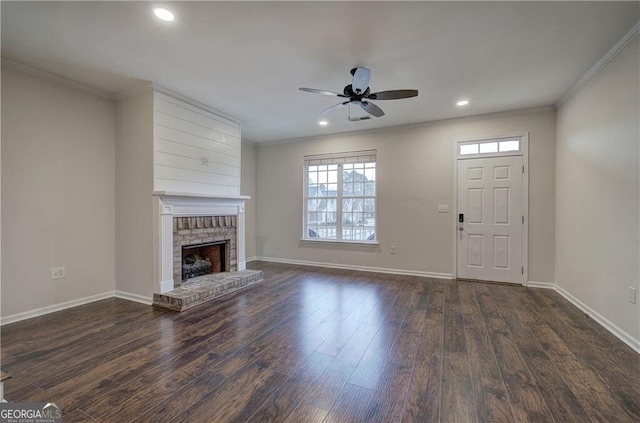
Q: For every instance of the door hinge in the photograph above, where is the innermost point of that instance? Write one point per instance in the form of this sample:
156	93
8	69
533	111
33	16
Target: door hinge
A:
522	168
522	270
523	220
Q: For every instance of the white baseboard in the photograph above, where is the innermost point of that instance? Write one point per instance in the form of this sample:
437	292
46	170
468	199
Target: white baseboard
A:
53	308
545	285
73	303
603	321
133	297
250	259
359	268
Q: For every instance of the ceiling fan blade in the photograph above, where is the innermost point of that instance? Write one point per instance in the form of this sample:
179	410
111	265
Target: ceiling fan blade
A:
372	109
361	79
322	92
393	94
334	107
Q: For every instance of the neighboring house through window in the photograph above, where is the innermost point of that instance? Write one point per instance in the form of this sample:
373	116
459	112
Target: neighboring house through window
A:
340	197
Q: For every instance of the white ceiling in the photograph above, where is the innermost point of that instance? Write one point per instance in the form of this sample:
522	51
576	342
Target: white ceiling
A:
248	59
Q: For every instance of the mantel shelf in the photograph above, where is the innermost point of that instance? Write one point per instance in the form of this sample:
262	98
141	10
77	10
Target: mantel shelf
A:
190	195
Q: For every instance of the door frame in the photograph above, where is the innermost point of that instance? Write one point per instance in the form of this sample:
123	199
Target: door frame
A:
524	139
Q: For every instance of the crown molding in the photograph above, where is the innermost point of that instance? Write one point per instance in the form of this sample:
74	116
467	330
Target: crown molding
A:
608	57
122	95
56	78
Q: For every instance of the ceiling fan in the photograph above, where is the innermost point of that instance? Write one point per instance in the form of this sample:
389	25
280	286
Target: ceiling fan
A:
358	93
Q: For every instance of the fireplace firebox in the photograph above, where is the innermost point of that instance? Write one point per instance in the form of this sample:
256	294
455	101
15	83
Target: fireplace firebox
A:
203	259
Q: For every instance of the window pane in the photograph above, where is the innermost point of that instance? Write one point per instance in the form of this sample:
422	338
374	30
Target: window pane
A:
347	219
489	147
358	234
370	174
352	205
370	188
313	177
369	207
353	182
347	186
509	145
469	149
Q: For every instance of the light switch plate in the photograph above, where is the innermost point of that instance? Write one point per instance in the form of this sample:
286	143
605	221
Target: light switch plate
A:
57	272
443	208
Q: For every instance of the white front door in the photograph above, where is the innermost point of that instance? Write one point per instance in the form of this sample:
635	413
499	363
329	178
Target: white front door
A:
490	235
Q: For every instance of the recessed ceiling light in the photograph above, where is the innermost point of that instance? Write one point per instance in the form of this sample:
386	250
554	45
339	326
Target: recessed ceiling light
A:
323	123
462	103
163	14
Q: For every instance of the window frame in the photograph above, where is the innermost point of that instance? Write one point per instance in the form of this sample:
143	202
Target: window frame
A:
346	158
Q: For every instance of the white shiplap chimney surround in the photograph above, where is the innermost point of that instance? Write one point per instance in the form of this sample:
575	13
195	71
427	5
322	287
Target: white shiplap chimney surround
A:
196	159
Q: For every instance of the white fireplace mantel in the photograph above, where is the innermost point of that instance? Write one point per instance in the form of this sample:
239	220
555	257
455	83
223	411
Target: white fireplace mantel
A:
172	204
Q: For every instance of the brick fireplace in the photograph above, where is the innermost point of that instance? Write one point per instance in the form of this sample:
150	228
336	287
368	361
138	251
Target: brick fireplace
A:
207	239
192	220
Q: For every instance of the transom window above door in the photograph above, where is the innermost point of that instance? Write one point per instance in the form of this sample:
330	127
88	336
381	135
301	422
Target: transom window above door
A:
340	197
493	147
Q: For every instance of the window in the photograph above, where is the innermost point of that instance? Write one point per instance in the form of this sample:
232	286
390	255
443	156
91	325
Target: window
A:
340	197
492	147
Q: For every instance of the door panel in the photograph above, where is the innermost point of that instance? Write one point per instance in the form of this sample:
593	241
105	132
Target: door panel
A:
501	206
475	250
475	198
490	195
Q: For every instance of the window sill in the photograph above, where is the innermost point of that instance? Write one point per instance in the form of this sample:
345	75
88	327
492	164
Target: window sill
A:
338	241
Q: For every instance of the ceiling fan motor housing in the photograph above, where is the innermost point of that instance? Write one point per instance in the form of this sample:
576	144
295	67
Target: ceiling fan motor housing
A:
348	91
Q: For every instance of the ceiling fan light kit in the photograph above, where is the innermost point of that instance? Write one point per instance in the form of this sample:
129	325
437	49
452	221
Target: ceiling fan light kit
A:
359	94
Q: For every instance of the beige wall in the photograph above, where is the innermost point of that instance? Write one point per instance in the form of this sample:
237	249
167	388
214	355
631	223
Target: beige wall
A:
597	238
415	174
134	203
248	187
58	193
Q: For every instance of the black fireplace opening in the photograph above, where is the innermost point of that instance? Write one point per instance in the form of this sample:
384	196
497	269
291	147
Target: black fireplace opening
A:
203	259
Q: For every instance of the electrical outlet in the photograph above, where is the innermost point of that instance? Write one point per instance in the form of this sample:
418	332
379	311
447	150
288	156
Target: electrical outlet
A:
57	272
204	161
392	249
632	295
443	208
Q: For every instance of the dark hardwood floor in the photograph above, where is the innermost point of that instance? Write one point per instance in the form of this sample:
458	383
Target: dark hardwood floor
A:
322	345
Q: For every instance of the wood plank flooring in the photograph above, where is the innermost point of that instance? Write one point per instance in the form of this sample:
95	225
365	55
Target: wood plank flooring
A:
324	345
